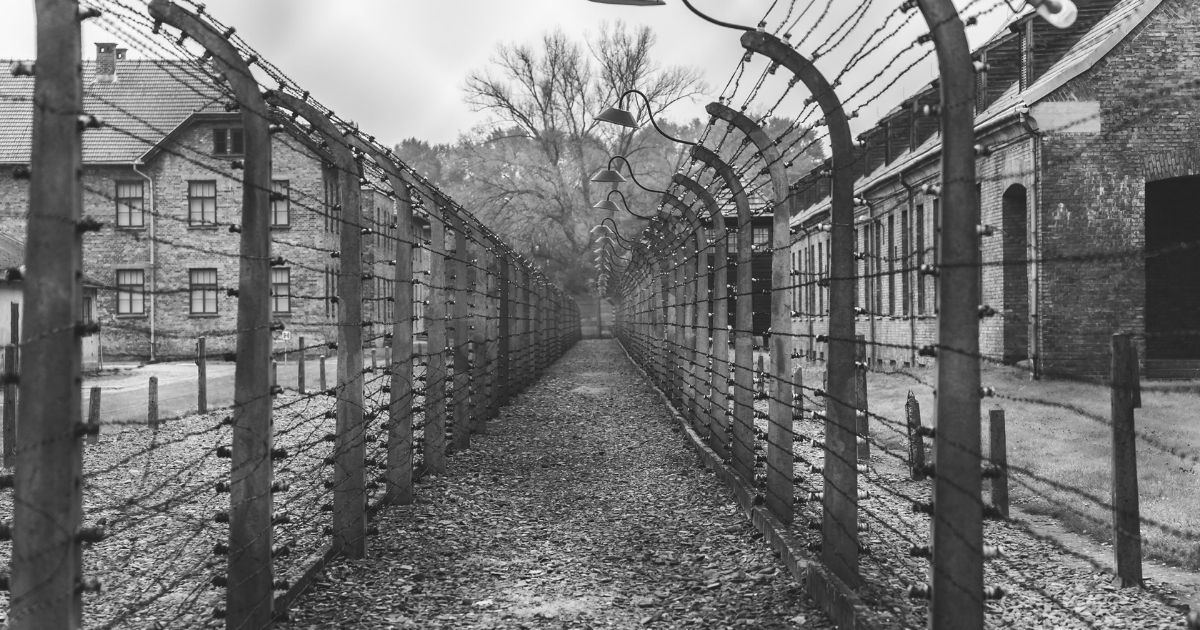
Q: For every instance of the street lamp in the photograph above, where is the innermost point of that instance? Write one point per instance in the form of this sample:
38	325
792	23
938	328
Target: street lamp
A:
604	226
611	176
655	3
608	205
1059	13
620	116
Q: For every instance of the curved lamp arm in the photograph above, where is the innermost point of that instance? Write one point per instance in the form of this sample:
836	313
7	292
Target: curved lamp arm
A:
607	204
651	3
612	228
610	175
620	116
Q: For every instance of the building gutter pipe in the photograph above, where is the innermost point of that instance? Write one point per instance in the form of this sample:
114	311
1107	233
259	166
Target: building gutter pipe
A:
153	255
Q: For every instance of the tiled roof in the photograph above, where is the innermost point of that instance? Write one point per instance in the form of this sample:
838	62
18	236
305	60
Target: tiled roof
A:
1089	50
149	99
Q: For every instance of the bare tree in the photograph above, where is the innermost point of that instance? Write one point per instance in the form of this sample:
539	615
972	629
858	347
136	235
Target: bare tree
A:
532	175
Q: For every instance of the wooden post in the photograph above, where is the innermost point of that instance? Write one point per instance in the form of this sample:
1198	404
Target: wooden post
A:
435	371
916	442
1126	396
321	373
862	412
94	415
457	279
274	373
152	403
10	405
47	513
998	456
374	361
301	386
349	475
201	376
249	600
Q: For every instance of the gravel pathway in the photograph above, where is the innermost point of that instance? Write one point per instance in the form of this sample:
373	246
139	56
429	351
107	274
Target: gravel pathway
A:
582	508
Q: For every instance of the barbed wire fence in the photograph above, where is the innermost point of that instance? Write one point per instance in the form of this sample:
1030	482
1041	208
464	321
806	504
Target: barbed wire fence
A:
134	528
864	286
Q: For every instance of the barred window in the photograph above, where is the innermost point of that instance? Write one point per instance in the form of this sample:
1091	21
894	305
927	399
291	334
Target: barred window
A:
202	286
761	236
281	290
228	141
202	202
131	203
281	204
131	292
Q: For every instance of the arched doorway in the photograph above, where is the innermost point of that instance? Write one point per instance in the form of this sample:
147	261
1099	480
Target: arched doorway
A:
1173	271
1015	217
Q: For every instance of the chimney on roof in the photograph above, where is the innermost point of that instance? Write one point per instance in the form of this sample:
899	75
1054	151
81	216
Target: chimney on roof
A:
107	55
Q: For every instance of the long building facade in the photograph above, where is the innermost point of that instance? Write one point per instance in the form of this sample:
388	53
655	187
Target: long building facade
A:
1088	165
162	178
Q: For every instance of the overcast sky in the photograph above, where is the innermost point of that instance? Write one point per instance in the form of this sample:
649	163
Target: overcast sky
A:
397	67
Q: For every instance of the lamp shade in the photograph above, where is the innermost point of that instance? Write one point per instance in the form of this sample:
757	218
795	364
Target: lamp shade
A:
617	116
605	204
1059	13
608	176
636	3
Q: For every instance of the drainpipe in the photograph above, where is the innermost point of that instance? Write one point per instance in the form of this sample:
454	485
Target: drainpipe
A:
1034	217
153	254
916	273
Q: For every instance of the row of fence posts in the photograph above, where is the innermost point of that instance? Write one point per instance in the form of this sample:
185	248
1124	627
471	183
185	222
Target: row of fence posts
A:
655	308
675	326
525	323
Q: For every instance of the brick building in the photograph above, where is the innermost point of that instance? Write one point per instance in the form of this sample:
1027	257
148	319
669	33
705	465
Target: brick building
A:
1087	175
162	178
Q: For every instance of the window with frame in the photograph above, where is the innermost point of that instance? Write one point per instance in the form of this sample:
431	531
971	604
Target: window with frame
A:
131	204
202	287
228	141
202	202
281	290
760	236
281	203
131	292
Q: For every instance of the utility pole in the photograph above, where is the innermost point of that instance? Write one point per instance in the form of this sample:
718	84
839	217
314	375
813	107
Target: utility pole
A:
48	504
958	512
249	594
349	475
839	543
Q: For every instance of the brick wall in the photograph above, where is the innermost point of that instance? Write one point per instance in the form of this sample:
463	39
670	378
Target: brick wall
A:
1092	206
1071	274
